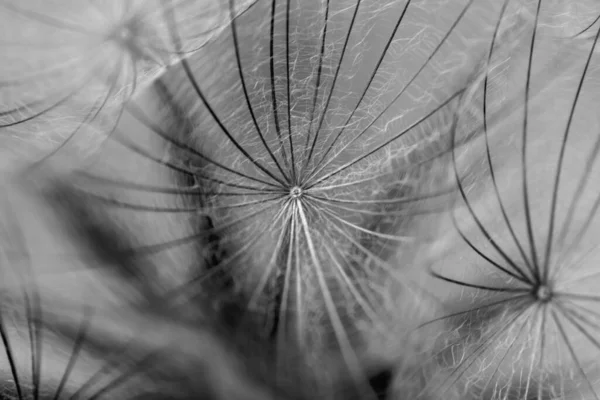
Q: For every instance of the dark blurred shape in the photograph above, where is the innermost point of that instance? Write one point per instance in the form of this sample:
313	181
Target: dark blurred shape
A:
380	382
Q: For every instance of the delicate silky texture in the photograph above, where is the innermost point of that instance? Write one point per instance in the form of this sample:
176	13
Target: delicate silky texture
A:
299	199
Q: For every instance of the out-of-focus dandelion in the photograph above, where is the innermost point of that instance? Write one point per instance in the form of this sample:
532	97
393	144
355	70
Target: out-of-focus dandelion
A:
68	67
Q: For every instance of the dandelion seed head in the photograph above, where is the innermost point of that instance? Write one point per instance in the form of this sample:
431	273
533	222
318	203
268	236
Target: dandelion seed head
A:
296	192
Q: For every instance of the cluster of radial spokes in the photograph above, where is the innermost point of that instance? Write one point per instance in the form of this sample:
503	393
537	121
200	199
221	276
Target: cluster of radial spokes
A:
539	328
303	215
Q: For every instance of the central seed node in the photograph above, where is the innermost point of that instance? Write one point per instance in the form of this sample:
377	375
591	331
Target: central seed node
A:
124	35
543	293
296	192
